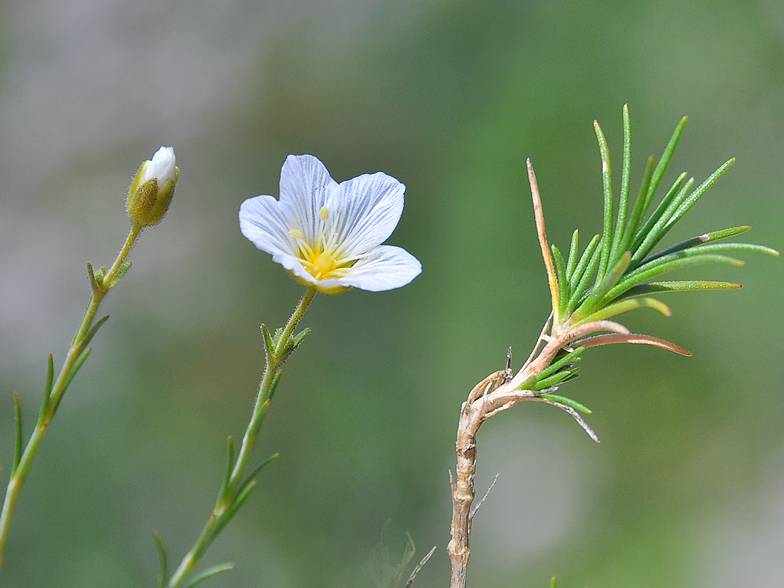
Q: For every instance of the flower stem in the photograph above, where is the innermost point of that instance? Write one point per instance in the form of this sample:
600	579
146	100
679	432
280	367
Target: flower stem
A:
234	491
77	353
496	393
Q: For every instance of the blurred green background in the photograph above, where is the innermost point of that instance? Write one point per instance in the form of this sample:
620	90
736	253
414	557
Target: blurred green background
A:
450	97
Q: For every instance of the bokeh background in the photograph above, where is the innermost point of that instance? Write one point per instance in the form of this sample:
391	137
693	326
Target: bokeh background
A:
450	97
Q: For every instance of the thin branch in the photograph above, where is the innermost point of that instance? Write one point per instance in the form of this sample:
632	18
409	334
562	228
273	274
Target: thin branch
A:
481	502
419	566
542	337
575	415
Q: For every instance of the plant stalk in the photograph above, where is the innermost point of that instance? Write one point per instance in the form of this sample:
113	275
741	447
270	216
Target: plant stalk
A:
496	393
52	400
229	495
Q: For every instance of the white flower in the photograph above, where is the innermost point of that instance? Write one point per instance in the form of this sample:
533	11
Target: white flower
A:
162	167
329	235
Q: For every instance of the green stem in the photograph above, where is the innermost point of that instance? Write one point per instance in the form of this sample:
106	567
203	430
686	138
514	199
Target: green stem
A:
230	494
51	401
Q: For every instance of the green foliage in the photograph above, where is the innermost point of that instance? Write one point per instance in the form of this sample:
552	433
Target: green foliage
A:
619	262
617	270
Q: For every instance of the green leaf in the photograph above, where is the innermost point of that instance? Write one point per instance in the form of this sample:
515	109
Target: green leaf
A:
626	174
661	167
635	220
74	371
555	379
257	469
572	261
698	240
586	258
164	562
91	333
91	275
269	342
47	388
678	286
298	339
569	357
697	194
120	273
232	510
560	276
606	242
639	276
702	249
567	402
528	384
599	292
669	219
227	473
699	251
579	292
209	573
625	306
99	276
18	434
274	385
642	241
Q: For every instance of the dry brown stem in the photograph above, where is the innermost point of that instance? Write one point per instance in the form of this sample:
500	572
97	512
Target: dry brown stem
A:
489	397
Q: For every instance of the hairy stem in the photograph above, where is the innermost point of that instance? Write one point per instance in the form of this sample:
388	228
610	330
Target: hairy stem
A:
234	492
52	398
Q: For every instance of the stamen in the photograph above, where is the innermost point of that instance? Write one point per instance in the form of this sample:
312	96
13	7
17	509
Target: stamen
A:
324	213
295	233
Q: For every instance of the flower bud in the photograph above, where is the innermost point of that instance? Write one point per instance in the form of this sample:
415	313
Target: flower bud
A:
152	189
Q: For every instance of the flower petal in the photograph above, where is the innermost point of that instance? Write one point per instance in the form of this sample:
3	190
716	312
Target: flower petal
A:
364	211
263	222
386	267
304	186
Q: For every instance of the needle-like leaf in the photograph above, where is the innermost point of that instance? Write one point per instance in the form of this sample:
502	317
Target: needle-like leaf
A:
574	248
625	306
677	286
164	561
585	259
677	192
569	357
626	176
661	167
580	290
560	275
635	219
18	434
600	291
568	402
209	573
606	242
658	269
698	240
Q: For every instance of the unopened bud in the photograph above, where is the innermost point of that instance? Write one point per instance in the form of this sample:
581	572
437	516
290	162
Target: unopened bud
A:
152	189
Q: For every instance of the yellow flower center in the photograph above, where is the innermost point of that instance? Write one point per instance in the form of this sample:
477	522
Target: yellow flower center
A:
322	266
322	259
